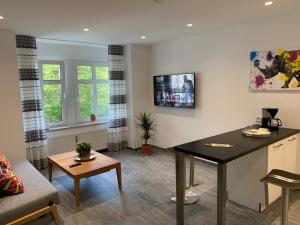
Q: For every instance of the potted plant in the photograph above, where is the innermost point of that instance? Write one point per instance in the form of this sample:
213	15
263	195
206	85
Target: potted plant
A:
147	125
93	117
84	150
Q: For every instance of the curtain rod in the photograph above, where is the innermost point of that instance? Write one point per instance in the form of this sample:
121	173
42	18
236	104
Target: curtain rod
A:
77	42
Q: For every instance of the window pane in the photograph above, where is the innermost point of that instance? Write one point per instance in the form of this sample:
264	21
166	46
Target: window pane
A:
51	71
84	72
102	73
52	103
103	99
86	100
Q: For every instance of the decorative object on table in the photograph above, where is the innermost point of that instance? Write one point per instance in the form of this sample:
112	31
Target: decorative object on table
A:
275	70
268	119
93	117
84	152
219	145
84	159
147	125
260	132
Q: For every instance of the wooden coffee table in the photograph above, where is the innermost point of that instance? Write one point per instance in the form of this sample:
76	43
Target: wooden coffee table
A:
94	167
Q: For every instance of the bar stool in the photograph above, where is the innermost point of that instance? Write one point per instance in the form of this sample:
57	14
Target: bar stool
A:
286	181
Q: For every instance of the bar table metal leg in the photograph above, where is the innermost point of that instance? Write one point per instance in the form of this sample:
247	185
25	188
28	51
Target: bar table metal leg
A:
190	196
180	187
192	172
221	197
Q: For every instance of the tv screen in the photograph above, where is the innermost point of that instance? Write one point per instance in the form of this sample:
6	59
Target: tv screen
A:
174	90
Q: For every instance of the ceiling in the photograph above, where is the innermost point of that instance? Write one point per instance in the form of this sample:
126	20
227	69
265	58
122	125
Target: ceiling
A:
125	21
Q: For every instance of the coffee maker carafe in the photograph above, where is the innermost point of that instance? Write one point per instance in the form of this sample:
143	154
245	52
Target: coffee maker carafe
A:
268	119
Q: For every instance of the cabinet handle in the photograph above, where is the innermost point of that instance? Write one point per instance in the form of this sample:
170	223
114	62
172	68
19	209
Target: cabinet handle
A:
277	146
293	139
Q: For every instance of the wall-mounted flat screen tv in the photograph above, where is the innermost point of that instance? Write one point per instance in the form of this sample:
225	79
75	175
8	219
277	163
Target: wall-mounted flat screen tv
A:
174	90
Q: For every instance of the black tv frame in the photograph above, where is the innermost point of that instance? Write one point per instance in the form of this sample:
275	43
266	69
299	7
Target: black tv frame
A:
192	107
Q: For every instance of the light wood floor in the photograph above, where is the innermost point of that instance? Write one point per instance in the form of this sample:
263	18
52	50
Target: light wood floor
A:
148	184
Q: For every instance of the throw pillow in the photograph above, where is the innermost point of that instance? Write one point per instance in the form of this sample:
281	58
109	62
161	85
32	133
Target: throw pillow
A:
10	184
4	162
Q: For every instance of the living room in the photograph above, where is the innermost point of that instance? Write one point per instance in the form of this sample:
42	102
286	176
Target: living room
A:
87	47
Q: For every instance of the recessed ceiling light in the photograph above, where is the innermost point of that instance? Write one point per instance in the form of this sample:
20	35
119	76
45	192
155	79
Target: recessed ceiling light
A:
143	37
86	29
189	25
268	3
1	17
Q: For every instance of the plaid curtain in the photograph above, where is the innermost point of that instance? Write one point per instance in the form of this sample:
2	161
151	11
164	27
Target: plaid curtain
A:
31	97
117	130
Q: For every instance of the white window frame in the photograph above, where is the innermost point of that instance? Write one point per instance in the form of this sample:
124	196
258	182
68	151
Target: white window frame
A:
61	81
94	82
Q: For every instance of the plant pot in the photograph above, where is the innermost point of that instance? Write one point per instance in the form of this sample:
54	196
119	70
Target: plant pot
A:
146	149
84	155
93	118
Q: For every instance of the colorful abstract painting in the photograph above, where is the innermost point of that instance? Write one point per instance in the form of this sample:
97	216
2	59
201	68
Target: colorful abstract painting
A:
275	70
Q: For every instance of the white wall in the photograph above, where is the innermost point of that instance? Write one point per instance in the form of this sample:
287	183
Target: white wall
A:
64	140
11	125
221	60
137	75
65	51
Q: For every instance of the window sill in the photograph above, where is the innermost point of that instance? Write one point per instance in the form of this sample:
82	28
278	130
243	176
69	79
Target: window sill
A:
76	129
76	126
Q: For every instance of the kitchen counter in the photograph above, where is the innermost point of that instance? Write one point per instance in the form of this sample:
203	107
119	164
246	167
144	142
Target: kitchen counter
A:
242	145
250	159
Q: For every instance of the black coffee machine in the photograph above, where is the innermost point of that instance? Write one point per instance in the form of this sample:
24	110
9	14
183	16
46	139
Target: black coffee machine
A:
268	119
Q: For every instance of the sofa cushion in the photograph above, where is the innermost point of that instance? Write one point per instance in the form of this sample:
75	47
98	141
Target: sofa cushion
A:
9	183
39	193
4	162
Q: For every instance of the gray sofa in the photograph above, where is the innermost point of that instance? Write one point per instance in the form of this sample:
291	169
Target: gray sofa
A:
39	192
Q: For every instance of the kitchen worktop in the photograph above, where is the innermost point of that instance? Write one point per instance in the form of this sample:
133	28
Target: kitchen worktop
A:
242	145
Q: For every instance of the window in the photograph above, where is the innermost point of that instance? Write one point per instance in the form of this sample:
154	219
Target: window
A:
93	95
71	96
52	84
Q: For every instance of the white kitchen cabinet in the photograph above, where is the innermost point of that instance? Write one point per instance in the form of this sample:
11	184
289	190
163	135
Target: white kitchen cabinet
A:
282	155
275	161
244	174
290	154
